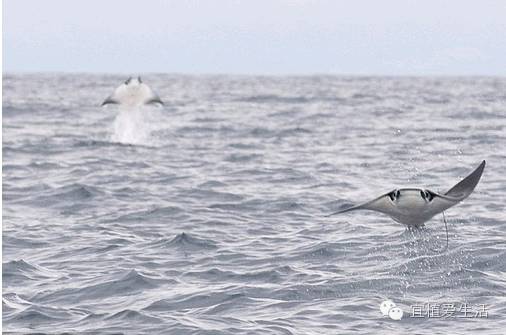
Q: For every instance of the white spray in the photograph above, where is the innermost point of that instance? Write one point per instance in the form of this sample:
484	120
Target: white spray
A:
132	126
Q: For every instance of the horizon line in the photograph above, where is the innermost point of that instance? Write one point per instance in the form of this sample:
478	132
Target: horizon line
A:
254	74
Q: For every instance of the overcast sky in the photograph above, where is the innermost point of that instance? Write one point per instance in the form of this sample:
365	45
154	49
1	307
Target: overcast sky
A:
378	37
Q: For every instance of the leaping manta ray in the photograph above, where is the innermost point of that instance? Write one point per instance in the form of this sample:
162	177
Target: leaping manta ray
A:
133	92
415	206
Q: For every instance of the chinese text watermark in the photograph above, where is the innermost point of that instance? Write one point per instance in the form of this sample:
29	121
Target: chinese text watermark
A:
448	310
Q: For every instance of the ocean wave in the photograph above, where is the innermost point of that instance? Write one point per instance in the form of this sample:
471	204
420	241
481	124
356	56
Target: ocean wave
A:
121	284
64	195
20	270
214	274
194	301
186	242
155	213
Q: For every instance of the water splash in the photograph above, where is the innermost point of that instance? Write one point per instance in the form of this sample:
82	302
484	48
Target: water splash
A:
132	126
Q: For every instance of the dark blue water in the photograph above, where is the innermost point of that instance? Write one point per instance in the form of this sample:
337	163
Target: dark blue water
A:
206	216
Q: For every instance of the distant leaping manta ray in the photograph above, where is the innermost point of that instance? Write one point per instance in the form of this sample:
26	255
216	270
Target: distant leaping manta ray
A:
415	206
133	92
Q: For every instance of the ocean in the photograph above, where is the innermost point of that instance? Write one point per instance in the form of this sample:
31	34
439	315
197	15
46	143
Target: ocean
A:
208	215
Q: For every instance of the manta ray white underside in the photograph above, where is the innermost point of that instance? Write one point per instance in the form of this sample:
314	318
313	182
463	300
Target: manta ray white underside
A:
133	92
415	206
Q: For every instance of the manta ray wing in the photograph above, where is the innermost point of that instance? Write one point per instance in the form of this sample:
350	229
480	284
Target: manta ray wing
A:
119	94
380	204
457	193
466	186
109	101
151	97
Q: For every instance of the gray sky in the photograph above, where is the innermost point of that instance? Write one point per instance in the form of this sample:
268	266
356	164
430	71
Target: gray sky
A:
423	37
